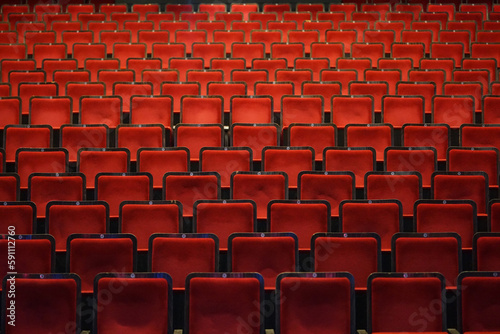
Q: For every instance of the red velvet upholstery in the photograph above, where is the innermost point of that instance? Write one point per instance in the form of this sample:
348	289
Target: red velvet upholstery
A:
91	254
358	160
182	254
422	160
394	301
23	136
383	217
357	253
159	161
33	254
254	109
261	187
479	302
92	161
115	188
291	160
48	304
462	185
304	218
480	135
224	302
399	110
305	109
21	215
29	161
333	187
143	219
255	136
494	216
134	137
417	252
318	137
187	188
202	110
66	218
139	303
362	136
9	187
195	137
403	186
452	216
349	109
101	110
224	217
486	248
225	161
75	137
318	303
475	159
43	188
436	136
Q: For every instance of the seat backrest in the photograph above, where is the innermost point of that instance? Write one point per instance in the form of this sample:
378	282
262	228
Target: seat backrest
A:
90	254
64	218
394	297
153	309
485	248
55	298
476	304
182	254
144	218
266	253
447	216
428	252
333	291
239	294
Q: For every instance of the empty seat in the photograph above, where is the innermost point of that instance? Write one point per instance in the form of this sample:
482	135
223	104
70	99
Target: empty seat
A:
316	136
361	135
225	161
461	159
187	188
25	136
383	217
90	254
11	111
424	135
329	294
485	250
291	160
404	186
462	185
182	254
255	136
356	253
158	161
45	187
428	252
115	188
196	136
54	110
358	160
477	306
101	110
290	215
147	295
224	217
66	217
128	89
179	89
261	187
333	187
394	297
301	109
201	110
134	137
405	159
19	215
447	216
352	109
238	296
47	160
92	161
47	302
32	253
266	253
152	109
